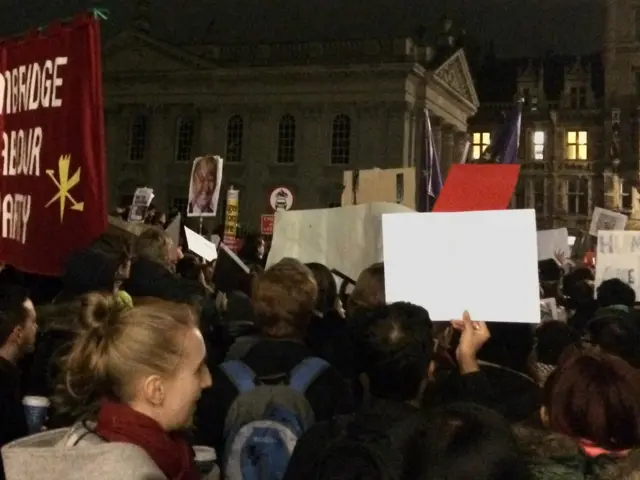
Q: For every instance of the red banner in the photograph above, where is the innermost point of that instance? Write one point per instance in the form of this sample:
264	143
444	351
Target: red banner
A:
52	188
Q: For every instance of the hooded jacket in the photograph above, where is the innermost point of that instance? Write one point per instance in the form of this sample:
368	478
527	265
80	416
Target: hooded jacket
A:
78	454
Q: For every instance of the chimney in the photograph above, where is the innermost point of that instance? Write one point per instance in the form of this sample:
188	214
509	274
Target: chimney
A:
142	16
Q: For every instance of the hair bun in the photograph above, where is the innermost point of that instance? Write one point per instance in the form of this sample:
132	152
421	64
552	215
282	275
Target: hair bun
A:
98	314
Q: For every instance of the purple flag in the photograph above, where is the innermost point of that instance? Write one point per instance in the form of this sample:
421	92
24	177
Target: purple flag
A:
429	177
504	143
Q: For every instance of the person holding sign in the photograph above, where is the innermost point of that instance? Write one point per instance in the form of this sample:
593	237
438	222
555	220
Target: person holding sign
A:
204	188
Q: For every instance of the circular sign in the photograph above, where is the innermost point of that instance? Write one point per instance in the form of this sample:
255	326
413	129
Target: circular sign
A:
281	198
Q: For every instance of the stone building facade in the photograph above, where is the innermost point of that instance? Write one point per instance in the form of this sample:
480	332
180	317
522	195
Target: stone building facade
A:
580	136
293	115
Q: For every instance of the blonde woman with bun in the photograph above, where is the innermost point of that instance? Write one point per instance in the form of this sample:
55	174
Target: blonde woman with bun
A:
134	376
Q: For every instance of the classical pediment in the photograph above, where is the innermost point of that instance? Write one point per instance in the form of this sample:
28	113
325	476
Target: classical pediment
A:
137	52
454	74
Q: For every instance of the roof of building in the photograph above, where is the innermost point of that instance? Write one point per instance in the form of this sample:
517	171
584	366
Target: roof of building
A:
538	25
496	80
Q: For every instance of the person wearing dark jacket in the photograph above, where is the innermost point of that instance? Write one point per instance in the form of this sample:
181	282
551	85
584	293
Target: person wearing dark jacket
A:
151	271
284	297
398	347
17	337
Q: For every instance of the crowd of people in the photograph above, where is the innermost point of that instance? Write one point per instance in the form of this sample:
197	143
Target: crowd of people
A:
145	359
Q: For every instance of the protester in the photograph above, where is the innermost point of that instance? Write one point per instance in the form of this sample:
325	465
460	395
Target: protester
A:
134	375
284	298
17	337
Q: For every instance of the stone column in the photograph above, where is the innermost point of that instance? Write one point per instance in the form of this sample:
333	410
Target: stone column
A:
162	136
448	149
436	129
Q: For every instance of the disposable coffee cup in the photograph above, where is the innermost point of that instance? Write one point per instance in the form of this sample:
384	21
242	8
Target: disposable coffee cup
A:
205	458
35	411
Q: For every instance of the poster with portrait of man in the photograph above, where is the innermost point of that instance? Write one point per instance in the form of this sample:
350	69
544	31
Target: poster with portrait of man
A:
204	186
603	219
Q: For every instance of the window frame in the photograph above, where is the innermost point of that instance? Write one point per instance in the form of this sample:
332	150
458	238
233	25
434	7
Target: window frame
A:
234	141
286	145
479	143
185	143
575	149
138	141
341	132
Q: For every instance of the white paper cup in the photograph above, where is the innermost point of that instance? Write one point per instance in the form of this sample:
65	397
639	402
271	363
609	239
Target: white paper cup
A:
205	458
35	411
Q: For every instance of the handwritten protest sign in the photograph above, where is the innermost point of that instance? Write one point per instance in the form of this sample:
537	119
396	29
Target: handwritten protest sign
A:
619	257
52	188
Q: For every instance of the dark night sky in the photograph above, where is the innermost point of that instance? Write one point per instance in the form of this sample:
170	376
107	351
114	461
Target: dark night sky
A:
518	27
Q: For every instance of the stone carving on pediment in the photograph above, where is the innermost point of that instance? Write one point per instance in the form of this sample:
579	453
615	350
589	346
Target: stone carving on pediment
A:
453	75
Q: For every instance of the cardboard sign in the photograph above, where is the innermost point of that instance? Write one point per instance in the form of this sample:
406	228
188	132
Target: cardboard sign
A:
478	188
603	219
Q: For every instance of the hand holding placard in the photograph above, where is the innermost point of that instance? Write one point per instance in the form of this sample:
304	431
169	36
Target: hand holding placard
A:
473	337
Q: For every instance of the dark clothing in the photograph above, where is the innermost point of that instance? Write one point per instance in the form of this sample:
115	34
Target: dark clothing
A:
13	424
517	396
329	338
51	346
328	395
150	279
376	421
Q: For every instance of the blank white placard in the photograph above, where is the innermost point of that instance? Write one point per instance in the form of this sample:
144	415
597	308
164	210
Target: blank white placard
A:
200	245
483	262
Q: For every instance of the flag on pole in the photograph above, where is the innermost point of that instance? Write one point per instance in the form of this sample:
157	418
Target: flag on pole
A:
465	151
429	177
503	147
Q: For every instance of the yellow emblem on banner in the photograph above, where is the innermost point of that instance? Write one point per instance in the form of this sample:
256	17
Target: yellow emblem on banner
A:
65	184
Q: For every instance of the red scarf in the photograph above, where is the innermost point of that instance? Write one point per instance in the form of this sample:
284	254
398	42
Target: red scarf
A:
117	422
591	450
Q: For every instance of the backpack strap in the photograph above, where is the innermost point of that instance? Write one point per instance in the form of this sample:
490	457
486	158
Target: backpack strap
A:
240	374
305	373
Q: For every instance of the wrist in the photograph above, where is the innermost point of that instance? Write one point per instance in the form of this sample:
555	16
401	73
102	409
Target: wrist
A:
467	363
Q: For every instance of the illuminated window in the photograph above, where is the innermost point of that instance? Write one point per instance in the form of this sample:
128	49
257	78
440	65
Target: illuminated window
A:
235	137
341	140
184	142
577	145
287	140
538	145
481	141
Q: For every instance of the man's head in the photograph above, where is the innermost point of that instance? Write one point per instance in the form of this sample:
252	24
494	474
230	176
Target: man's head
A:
284	297
17	322
398	350
203	181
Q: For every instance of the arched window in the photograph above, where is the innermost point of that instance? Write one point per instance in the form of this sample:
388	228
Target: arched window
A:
235	134
185	130
287	139
341	140
138	138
